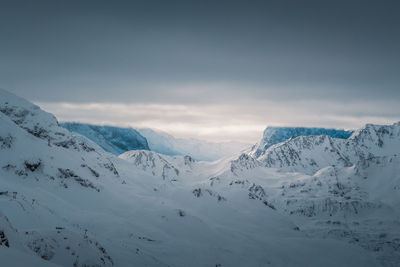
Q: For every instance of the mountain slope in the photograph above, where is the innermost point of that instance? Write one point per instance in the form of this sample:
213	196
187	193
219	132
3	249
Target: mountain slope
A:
112	139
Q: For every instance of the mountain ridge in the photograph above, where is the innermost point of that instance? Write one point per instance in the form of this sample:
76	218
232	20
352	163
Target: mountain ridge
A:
273	135
115	140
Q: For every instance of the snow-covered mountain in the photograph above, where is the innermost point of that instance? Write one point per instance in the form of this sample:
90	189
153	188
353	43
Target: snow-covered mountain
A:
347	189
309	154
275	135
119	140
307	201
115	140
166	144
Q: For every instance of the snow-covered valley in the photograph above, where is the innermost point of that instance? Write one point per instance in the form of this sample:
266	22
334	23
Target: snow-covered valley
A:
310	200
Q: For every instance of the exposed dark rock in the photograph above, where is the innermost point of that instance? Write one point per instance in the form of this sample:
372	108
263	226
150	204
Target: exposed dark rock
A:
181	213
43	247
214	180
9	166
256	192
32	165
6	142
3	239
96	174
146	238
110	166
67	173
39	132
197	192
266	203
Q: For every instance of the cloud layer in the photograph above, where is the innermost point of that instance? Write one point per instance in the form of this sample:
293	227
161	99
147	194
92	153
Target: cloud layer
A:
239	122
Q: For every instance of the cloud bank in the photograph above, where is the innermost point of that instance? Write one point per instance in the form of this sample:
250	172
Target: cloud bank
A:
223	122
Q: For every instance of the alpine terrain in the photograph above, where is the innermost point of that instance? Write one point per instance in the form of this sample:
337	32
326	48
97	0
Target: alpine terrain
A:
299	197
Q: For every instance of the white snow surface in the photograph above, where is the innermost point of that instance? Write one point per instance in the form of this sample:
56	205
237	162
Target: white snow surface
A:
309	201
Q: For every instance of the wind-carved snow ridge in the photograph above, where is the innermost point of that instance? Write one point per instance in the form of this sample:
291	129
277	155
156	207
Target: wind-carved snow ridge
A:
312	200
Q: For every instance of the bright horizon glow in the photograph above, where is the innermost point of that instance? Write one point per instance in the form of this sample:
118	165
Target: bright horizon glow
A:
220	123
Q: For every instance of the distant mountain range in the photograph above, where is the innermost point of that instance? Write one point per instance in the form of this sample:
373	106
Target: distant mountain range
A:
118	140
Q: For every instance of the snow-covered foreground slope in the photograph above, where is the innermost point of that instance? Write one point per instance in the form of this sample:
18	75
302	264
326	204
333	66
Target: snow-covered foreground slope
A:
115	140
166	144
65	201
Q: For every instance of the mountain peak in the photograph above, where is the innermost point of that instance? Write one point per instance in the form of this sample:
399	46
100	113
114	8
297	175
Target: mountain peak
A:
273	135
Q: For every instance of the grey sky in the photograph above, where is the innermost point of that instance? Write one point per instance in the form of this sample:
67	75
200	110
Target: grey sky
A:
332	58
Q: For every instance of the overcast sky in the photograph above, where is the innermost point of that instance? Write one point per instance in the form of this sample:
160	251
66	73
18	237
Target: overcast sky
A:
216	70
